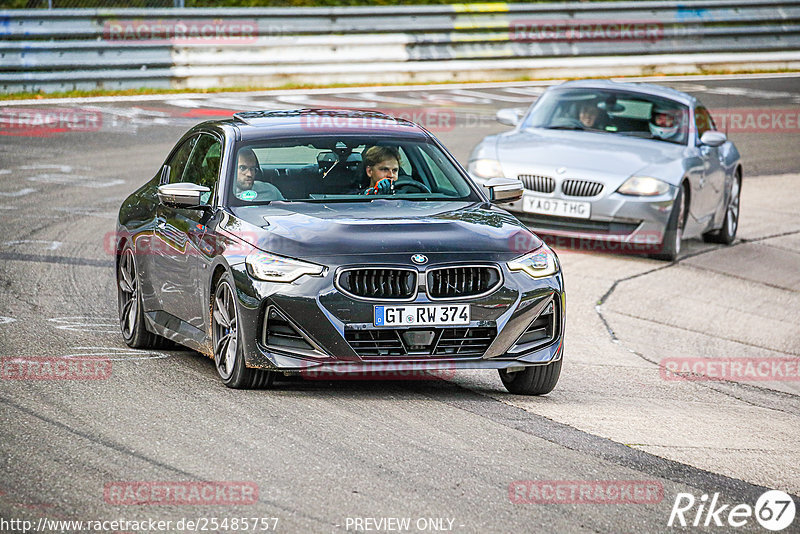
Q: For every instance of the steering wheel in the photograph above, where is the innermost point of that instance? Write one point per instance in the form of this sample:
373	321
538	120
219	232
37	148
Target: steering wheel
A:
409	183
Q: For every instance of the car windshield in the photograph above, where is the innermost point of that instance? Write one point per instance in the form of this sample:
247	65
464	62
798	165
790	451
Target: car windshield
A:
344	169
612	112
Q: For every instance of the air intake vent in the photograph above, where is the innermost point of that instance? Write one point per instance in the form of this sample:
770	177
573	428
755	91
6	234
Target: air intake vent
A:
377	343
581	188
384	284
462	282
374	343
542	184
540	332
464	341
279	332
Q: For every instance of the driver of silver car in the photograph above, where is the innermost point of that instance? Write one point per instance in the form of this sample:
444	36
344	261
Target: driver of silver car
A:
665	122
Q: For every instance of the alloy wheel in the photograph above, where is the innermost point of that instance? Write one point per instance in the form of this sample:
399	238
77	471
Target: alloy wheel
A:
225	330
129	294
733	208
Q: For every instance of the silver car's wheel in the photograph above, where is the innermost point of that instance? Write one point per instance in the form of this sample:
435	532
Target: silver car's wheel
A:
673	234
727	233
226	336
733	209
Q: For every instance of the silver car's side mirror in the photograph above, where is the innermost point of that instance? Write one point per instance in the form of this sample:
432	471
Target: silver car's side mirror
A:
713	138
503	190
182	195
509	116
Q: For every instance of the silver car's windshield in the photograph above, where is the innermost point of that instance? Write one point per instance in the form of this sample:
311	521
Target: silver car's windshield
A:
612	112
344	169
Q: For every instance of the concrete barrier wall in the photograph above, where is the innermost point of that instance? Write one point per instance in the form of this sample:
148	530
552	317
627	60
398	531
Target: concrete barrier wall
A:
61	50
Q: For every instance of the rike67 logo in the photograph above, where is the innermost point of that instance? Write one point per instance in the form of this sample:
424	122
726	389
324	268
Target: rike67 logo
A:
774	510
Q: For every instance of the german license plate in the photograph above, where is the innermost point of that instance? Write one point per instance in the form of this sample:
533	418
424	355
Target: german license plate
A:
557	207
429	315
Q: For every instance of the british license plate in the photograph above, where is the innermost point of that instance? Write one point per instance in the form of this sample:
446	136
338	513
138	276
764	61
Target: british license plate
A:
439	315
557	207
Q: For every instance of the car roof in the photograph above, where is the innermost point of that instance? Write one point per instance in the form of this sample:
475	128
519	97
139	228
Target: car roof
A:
643	88
266	124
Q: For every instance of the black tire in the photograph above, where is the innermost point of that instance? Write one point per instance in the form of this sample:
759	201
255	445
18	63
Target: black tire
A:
727	233
227	344
129	305
673	235
534	380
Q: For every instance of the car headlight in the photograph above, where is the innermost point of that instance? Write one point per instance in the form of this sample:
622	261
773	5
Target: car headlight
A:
272	268
643	186
486	168
540	263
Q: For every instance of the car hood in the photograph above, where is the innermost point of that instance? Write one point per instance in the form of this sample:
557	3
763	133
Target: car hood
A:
539	150
307	230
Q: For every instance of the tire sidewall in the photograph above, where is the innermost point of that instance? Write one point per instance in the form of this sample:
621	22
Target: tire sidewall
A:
138	323
237	375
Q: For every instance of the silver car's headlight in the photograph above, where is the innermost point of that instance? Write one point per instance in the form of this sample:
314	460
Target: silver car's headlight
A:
486	168
540	263
643	186
272	268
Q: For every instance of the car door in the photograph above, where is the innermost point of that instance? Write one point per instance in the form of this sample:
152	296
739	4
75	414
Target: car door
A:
712	181
183	232
166	240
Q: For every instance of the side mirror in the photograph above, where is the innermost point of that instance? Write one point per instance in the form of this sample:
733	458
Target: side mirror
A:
503	190
509	116
182	195
713	138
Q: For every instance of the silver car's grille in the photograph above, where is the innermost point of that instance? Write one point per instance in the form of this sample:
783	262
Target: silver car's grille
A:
581	188
534	182
462	282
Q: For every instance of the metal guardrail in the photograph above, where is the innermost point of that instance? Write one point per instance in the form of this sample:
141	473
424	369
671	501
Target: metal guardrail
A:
201	48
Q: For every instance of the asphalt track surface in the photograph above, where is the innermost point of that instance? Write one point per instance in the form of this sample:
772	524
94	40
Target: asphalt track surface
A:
444	454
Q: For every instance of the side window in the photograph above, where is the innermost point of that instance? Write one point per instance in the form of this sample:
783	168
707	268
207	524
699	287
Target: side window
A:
203	165
443	184
703	121
177	163
405	162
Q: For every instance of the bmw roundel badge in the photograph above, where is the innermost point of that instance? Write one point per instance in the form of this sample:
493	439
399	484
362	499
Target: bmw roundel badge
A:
419	259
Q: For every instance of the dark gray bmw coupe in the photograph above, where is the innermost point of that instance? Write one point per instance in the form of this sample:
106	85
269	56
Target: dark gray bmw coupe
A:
335	242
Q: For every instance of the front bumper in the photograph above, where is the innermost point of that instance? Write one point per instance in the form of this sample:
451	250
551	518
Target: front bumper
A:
615	218
324	317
